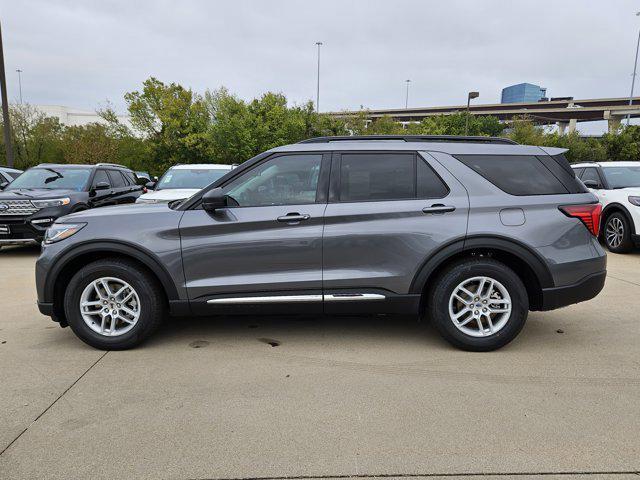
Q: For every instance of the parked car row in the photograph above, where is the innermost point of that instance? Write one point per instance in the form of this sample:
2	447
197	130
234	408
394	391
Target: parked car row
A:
469	232
31	201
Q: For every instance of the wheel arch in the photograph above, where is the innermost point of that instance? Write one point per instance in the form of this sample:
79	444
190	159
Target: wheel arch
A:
71	261
614	207
526	263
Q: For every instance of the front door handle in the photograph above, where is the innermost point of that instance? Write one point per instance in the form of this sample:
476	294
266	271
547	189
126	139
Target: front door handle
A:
438	209
293	217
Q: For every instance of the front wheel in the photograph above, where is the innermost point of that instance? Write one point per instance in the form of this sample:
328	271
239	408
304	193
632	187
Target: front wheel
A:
478	304
112	304
617	234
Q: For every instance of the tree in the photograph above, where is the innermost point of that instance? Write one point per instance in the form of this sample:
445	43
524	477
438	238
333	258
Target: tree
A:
173	120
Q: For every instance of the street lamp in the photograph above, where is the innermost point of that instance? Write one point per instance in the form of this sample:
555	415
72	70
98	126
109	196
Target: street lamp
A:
20	83
319	44
5	108
633	78
406	98
470	97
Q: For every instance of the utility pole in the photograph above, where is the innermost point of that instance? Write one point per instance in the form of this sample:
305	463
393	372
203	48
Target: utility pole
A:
19	83
319	44
470	96
406	97
5	107
633	79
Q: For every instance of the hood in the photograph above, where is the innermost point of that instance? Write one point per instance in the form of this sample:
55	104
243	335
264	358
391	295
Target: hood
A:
169	194
115	211
34	193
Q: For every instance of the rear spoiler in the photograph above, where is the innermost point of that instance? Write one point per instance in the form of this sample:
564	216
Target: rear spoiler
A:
558	155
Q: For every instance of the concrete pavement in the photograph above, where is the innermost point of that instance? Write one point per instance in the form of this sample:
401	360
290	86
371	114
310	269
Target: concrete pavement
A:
336	398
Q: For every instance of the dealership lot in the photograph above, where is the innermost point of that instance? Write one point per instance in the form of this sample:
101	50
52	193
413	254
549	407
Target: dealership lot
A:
334	396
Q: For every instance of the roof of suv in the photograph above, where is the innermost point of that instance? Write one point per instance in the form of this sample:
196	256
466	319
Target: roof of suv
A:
202	166
606	164
444	144
79	165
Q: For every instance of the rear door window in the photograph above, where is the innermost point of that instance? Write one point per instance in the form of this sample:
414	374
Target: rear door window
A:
101	177
515	174
377	176
117	180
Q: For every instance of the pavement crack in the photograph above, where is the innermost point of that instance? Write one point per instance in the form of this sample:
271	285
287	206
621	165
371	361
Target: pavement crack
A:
54	402
624	280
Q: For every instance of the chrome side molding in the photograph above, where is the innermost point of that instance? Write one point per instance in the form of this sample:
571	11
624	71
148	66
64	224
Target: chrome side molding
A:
336	297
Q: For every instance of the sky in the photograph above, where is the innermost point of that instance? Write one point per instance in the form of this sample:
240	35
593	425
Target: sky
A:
84	54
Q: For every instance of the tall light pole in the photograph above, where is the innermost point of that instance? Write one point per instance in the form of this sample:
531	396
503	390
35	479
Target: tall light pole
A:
633	78
19	83
406	97
319	44
5	107
470	96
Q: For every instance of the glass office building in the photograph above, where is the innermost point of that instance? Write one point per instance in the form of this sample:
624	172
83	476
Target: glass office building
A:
523	92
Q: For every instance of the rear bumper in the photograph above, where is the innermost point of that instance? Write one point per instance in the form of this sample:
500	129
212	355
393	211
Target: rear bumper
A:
584	290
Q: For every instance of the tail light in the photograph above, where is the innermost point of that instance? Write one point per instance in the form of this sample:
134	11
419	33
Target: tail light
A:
144	190
587	214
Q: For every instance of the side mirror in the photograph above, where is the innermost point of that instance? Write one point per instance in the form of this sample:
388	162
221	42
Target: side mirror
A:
591	184
150	185
102	186
3	185
214	199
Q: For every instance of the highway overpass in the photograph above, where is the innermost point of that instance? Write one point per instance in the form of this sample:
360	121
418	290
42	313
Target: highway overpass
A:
565	113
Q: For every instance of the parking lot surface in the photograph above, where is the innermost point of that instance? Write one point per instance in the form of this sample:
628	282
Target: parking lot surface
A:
322	397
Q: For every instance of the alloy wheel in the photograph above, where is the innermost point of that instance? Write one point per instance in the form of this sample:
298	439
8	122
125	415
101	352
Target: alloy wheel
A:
110	306
614	233
480	306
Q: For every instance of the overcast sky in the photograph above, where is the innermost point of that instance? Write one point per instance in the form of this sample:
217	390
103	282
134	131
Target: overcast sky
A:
83	53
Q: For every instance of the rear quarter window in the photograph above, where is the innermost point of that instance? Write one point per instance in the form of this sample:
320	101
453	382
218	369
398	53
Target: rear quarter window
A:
515	174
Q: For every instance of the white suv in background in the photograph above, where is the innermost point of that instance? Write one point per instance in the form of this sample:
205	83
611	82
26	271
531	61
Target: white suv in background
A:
617	185
182	181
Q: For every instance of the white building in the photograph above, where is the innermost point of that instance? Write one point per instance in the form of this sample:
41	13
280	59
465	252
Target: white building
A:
75	117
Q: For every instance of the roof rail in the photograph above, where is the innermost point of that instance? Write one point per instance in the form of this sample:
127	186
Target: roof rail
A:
111	165
414	138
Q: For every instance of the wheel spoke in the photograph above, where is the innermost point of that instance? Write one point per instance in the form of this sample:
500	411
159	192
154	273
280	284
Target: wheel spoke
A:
488	317
128	311
102	324
480	327
114	323
471	295
481	286
106	287
461	313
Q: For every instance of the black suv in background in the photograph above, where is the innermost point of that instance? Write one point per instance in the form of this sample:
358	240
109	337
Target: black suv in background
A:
33	201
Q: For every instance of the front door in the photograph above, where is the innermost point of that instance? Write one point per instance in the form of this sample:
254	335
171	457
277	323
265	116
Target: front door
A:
267	247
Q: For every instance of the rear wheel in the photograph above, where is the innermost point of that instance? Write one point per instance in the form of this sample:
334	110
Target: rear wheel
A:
617	233
112	304
478	304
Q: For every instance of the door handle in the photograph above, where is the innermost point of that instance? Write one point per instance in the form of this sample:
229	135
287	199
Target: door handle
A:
293	217
438	209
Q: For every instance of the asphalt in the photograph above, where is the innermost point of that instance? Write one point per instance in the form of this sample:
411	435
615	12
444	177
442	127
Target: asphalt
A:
378	397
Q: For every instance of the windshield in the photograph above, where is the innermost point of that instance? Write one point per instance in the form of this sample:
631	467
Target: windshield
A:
52	178
189	178
621	177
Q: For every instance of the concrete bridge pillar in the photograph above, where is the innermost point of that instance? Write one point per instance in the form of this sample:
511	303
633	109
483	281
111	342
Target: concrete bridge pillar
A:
614	124
572	125
562	127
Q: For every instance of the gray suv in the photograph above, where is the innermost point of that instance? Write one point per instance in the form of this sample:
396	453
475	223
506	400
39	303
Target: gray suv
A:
468	232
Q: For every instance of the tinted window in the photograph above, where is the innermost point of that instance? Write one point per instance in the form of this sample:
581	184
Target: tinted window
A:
591	174
429	184
117	180
285	180
377	176
13	175
515	174
101	177
53	177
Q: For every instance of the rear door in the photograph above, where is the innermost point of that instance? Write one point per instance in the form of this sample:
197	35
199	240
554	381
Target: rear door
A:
119	187
388	212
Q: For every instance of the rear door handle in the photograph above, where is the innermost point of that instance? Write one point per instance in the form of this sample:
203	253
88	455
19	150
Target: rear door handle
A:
438	208
293	217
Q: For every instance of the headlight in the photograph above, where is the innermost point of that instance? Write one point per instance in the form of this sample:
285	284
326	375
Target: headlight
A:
54	202
60	231
635	201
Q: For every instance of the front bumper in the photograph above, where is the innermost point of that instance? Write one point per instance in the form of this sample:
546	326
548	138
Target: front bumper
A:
21	230
584	290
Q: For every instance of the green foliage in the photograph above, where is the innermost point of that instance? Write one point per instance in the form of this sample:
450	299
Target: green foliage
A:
171	124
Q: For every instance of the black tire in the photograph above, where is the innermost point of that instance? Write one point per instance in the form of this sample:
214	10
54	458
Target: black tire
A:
615	221
444	285
152	303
